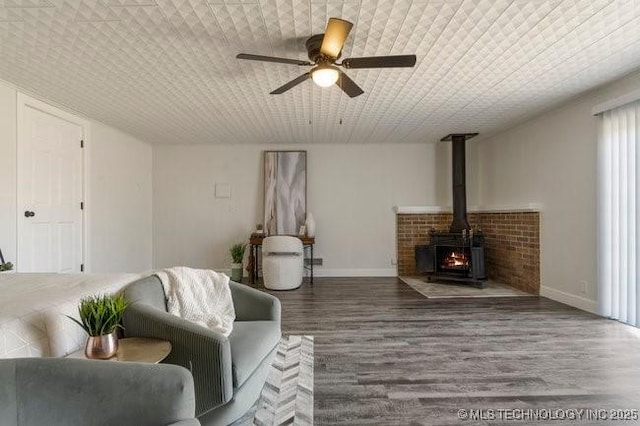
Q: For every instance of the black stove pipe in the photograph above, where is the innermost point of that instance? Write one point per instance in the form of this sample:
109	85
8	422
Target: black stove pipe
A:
459	180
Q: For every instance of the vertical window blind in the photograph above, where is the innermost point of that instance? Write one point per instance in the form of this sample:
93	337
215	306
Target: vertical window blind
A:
619	213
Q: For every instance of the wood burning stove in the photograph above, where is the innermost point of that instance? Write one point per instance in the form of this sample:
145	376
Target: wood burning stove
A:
458	254
453	256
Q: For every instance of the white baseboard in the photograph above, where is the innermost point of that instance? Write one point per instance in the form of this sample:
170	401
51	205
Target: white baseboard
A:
318	272
570	299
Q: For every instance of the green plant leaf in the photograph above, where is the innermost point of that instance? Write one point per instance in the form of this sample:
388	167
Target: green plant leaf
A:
237	252
101	315
78	322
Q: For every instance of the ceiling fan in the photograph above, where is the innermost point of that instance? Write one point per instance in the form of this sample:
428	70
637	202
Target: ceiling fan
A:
324	50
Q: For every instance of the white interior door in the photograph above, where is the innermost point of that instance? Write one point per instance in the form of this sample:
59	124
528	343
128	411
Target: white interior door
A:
49	193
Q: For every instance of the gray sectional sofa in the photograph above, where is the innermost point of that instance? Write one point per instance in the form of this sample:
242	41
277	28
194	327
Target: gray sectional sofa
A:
228	373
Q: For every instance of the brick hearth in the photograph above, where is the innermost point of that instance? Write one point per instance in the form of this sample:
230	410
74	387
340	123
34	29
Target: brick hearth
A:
512	244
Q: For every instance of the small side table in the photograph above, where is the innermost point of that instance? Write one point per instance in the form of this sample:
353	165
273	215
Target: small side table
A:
136	349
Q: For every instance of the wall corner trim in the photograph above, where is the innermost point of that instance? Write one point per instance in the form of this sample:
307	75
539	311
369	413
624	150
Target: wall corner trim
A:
421	209
627	98
511	208
569	299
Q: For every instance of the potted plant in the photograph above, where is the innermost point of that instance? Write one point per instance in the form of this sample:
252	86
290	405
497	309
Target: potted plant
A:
237	254
5	266
100	317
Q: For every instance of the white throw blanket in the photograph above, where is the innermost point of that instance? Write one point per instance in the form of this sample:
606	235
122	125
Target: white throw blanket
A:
201	296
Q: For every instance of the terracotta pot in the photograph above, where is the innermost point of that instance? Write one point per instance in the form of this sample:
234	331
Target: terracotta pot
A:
101	347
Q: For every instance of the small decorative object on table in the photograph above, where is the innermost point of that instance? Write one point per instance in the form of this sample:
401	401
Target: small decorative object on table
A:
100	317
310	224
237	254
5	266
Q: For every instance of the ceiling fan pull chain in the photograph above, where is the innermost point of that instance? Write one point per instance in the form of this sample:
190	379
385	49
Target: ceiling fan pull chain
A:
310	104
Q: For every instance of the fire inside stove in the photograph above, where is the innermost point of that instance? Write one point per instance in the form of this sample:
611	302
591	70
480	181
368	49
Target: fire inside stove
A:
456	260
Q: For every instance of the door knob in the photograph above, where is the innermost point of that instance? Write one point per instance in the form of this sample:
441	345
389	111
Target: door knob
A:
29	214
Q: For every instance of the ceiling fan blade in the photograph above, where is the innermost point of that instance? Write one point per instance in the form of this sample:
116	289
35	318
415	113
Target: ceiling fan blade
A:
291	84
348	86
334	37
399	61
272	59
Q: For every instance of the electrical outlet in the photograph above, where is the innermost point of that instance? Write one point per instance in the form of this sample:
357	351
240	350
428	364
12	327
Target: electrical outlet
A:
584	287
394	261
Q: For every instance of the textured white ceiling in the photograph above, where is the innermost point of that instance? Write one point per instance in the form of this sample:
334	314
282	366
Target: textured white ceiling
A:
165	70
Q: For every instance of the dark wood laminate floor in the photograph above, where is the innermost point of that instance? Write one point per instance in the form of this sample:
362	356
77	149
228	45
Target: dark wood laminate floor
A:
386	355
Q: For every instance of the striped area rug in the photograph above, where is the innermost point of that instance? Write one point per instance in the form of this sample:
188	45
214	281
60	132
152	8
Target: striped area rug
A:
287	396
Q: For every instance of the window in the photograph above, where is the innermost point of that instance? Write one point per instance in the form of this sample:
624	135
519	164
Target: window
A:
619	213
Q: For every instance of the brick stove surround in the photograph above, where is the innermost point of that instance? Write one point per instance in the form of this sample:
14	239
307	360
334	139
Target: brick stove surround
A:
512	243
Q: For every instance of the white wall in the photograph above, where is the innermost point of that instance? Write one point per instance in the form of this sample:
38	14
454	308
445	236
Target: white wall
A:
351	189
8	172
551	160
120	204
119	182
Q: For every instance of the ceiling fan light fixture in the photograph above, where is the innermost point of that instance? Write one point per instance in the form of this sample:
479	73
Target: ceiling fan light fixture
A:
325	75
323	51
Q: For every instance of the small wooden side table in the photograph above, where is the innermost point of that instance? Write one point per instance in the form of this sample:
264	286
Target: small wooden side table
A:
136	349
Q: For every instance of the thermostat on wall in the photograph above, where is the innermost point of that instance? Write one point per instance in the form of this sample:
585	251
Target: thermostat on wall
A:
223	190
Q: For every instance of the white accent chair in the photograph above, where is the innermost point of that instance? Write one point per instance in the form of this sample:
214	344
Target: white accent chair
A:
282	262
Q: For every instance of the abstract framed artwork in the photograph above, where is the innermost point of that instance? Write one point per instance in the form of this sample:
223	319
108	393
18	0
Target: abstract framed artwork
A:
285	191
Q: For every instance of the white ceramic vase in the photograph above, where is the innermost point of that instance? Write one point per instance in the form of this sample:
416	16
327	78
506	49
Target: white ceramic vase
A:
310	225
